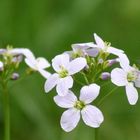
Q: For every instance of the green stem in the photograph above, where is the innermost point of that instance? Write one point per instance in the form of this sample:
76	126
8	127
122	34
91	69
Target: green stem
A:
108	94
6	109
96	134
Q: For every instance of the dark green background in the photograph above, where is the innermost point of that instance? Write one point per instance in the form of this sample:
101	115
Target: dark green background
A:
49	27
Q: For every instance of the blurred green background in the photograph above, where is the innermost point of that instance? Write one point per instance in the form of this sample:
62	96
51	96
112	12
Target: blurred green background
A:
49	27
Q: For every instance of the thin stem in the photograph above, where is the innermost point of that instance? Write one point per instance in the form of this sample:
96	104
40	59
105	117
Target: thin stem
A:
96	134
6	109
108	94
86	80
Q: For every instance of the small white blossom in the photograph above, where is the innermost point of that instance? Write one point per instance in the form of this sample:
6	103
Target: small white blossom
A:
83	49
101	45
64	68
37	64
127	76
91	115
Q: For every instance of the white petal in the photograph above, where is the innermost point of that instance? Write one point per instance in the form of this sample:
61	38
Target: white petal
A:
44	73
92	52
70	119
67	101
132	94
82	46
60	61
124	62
114	51
119	77
76	65
64	85
89	93
92	116
42	63
1	64
99	41
51	82
31	63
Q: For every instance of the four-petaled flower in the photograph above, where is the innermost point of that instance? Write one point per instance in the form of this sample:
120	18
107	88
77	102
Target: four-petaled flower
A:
105	47
127	76
91	115
65	69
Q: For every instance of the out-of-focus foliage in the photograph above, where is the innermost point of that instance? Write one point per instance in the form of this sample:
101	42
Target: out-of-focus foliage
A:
49	27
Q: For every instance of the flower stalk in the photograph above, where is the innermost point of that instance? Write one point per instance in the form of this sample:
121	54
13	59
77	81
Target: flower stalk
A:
6	109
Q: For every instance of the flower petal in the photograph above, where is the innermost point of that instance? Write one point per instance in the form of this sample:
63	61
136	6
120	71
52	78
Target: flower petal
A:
92	116
60	61
89	93
76	65
44	73
70	119
99	41
51	82
119	77
124	62
42	63
1	65
114	51
64	85
67	101
31	63
93	52
132	94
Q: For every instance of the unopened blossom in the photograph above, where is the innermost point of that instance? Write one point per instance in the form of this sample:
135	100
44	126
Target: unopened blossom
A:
105	76
127	76
90	114
84	49
64	68
103	46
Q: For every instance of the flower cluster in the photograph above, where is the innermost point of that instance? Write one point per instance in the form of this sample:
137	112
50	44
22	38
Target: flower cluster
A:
10	59
91	62
86	64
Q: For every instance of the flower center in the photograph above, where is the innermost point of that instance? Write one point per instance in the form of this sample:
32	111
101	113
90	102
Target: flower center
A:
63	73
79	105
131	76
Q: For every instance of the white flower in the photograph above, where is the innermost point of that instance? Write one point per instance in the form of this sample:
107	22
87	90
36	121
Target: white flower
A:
64	68
83	49
91	115
101	45
37	64
1	66
127	76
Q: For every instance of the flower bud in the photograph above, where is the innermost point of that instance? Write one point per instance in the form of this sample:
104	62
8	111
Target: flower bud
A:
105	76
2	51
17	58
112	61
15	76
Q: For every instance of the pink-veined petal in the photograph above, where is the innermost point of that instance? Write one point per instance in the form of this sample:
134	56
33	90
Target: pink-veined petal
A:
119	77
70	119
76	65
132	94
60	61
51	82
63	85
89	93
92	116
67	101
